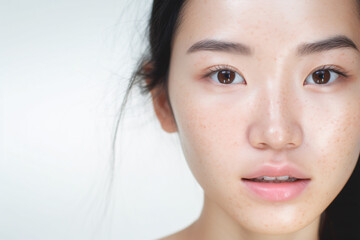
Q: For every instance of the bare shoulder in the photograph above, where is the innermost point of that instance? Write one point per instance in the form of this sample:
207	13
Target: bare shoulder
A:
176	236
185	234
170	237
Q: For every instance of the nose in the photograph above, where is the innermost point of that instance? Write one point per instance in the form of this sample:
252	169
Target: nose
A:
276	121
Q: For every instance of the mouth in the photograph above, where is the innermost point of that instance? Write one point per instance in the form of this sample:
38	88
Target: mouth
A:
275	189
276	183
267	179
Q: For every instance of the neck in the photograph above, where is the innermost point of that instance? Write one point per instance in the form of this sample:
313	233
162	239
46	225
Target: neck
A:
214	223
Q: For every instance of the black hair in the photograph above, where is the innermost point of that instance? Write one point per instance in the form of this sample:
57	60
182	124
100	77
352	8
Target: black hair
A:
340	220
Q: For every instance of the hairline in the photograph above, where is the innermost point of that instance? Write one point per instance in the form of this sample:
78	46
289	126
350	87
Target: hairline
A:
179	22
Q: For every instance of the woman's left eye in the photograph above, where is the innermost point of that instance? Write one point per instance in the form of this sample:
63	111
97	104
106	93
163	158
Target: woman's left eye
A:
226	77
322	77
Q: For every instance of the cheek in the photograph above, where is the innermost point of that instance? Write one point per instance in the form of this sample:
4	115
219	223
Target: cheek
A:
340	136
333	144
211	136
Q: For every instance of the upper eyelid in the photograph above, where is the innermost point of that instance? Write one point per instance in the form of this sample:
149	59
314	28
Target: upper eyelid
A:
217	68
333	68
329	67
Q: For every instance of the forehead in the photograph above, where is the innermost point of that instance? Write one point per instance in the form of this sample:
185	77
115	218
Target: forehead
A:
277	23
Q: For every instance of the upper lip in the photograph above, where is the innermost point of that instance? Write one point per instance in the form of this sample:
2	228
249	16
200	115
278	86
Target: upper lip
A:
277	171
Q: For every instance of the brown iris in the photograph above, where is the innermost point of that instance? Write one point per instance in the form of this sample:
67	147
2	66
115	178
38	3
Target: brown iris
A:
226	76
321	76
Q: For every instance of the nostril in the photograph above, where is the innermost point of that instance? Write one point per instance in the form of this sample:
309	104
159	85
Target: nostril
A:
277	134
261	145
290	146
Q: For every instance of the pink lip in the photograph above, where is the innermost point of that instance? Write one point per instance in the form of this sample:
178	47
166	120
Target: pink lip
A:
277	191
277	171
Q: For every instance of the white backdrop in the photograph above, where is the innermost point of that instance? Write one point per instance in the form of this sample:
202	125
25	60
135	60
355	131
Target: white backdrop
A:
64	66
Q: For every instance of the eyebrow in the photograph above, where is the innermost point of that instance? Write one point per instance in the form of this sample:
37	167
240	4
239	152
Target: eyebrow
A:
220	46
336	42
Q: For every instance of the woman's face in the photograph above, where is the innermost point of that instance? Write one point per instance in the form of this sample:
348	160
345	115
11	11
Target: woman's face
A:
268	103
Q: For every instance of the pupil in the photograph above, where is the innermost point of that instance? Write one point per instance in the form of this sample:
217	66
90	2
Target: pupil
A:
226	76
321	76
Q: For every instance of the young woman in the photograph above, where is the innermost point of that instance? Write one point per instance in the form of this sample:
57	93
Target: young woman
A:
265	98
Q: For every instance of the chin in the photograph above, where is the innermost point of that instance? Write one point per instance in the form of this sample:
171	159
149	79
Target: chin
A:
276	223
275	228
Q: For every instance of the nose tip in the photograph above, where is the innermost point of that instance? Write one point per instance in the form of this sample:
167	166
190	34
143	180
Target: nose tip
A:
275	120
277	137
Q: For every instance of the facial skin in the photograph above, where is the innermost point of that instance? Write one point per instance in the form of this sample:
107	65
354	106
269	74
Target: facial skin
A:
275	116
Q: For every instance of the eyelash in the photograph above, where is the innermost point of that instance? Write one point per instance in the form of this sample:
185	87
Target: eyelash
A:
332	68
218	68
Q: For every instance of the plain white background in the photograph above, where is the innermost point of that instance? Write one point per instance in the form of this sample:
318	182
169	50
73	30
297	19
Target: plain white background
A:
64	66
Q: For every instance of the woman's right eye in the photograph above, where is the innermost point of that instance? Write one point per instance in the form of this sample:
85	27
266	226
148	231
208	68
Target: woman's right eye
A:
226	77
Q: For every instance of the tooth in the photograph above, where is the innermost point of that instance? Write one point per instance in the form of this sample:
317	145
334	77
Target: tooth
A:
275	179
266	178
283	178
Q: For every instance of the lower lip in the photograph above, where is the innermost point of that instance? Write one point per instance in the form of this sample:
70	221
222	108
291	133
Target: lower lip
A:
277	192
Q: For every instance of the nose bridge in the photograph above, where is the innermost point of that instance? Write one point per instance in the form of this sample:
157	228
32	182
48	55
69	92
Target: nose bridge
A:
276	101
276	124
